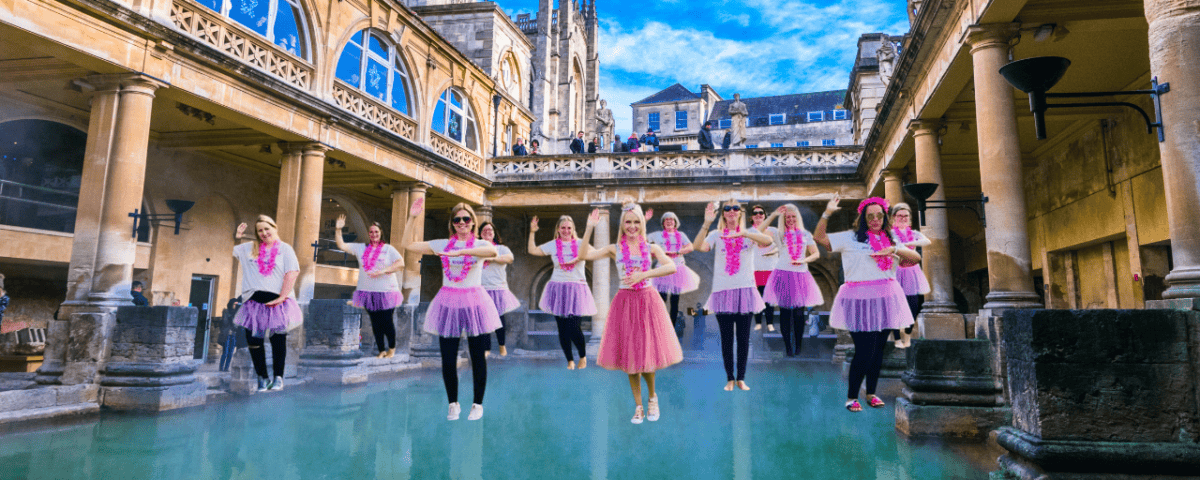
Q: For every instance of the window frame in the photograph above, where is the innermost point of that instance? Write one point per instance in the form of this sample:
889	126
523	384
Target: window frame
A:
681	115
776	145
397	69
725	123
302	30
470	123
654	121
803	143
840	114
828	142
782	119
752	145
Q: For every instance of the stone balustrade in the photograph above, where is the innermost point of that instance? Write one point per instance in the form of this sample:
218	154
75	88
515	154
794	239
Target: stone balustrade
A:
373	110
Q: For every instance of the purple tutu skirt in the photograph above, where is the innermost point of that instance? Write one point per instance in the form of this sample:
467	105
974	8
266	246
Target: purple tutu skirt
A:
566	299
455	310
505	300
738	300
263	321
377	300
788	289
871	306
638	337
912	280
684	280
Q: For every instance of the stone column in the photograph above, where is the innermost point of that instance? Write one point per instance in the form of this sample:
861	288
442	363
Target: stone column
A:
892	191
150	363
483	213
302	173
412	261
1174	33
331	350
1008	254
935	257
600	275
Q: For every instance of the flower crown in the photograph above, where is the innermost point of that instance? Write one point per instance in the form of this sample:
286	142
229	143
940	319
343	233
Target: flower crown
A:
875	201
628	207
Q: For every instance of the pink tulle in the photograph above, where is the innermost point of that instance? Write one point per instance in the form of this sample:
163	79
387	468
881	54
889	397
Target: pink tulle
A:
377	300
455	310
871	306
565	299
684	280
912	280
262	320
638	337
790	289
738	300
504	299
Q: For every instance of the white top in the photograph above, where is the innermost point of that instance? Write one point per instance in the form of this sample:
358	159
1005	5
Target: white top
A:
384	283
635	258
857	263
285	261
495	275
474	277
745	274
785	257
657	239
766	263
575	275
917	235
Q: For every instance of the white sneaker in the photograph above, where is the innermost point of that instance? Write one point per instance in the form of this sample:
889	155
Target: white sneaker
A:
263	384
637	416
653	414
476	412
455	410
277	384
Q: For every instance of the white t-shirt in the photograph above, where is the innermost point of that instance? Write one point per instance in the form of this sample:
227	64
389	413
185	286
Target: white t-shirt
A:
657	239
384	283
745	274
635	258
495	275
857	263
785	257
917	235
576	274
285	261
765	263
474	277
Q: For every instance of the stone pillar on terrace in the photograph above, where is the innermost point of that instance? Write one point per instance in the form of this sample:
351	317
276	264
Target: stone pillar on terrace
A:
412	261
331	347
1008	255
404	313
892	191
302	172
150	364
601	274
483	213
935	257
104	249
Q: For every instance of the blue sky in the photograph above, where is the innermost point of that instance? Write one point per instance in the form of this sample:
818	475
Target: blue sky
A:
752	47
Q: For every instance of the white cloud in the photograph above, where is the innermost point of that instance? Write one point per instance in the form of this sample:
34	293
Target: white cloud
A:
742	19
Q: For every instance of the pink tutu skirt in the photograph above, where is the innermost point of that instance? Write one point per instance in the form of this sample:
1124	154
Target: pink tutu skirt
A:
788	289
638	337
912	280
738	300
455	310
377	300
505	300
567	299
871	306
262	321
684	280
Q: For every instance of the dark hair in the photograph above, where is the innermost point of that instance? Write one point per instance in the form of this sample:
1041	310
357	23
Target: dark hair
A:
758	207
535	142
382	239
496	239
860	225
136	284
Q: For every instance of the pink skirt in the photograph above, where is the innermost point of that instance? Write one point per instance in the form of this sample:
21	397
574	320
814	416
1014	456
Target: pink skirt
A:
377	301
568	299
263	321
738	300
455	310
505	300
638	337
684	280
788	289
871	306
912	280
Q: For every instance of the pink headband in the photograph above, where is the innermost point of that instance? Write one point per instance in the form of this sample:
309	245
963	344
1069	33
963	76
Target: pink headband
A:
873	200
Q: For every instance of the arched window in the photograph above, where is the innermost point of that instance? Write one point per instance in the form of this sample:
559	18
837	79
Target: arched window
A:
280	21
510	76
453	118
379	71
41	167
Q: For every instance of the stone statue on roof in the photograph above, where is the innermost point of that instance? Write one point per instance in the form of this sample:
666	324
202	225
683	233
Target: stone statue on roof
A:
737	125
605	125
887	59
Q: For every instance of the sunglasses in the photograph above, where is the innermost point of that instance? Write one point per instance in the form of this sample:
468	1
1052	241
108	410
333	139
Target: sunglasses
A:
733	208
875	216
458	220
759	212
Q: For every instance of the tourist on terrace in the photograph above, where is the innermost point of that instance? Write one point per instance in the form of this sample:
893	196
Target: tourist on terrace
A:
791	286
534	146
871	303
577	143
594	145
633	145
495	281
727	140
734	299
269	272
649	141
139	299
638	338
675	244
518	150
461	305
910	276
764	264
706	140
566	295
378	292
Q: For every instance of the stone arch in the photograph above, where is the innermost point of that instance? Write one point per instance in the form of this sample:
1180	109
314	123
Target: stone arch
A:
356	219
403	57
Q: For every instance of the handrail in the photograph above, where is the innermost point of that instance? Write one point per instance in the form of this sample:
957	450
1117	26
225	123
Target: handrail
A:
44	189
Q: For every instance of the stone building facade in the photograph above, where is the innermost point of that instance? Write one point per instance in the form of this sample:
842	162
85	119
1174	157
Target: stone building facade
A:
676	114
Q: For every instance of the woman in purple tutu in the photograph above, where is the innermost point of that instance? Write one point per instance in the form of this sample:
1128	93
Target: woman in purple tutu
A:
269	272
638	337
566	295
764	264
495	281
910	276
791	287
871	303
676	244
378	292
735	298
461	305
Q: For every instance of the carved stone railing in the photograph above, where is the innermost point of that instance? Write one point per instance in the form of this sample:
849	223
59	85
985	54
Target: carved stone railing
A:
671	161
373	111
801	158
457	154
214	30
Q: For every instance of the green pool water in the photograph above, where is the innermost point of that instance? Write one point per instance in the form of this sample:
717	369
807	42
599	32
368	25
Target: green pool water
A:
541	422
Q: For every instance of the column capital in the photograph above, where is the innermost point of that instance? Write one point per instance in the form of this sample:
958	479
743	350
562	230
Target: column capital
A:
891	174
135	83
922	127
481	209
304	148
992	35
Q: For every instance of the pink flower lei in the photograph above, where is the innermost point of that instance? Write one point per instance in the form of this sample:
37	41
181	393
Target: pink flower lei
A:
266	258
795	243
733	253
468	261
905	235
880	241
667	247
644	250
370	256
558	247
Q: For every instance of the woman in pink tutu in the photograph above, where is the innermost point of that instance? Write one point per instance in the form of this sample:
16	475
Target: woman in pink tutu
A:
495	281
462	305
735	298
791	287
269	272
764	264
566	295
638	338
910	276
676	244
871	303
378	292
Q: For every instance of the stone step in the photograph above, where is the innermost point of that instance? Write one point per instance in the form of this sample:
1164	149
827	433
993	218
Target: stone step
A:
57	411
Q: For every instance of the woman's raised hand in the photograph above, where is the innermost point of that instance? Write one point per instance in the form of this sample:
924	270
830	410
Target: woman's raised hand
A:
240	230
417	207
593	218
341	222
533	227
710	212
649	213
833	206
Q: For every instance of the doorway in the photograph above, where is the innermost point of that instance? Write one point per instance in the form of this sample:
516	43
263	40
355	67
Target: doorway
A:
201	297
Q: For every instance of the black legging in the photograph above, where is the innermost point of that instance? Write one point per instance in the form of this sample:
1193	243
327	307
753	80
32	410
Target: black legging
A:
768	314
914	306
259	356
475	347
499	334
727	321
791	320
673	298
384	327
570	331
868	360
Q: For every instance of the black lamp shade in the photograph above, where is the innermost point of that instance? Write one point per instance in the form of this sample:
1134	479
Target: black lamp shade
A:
1037	74
921	191
179	206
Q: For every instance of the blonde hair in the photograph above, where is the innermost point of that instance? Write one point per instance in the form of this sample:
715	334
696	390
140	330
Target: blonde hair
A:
741	213
470	211
898	207
793	209
566	218
630	208
258	240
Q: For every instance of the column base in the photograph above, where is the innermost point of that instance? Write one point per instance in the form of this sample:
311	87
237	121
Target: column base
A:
949	421
150	386
939	307
1183	283
1007	300
333	368
942	326
1189	303
1030	457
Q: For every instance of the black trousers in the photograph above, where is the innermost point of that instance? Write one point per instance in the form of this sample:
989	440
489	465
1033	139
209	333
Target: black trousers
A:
914	306
475	347
499	334
868	360
259	356
671	299
766	316
732	324
384	327
791	327
570	331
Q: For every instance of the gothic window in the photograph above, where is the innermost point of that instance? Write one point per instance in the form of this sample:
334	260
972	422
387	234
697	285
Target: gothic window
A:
839	114
681	120
510	76
653	121
725	123
373	65
453	118
280	21
778	118
816	116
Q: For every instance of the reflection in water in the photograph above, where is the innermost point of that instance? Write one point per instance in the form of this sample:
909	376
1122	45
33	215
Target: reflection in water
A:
466	450
742	464
599	435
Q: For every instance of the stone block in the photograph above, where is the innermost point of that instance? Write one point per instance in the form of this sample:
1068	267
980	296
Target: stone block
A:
950	390
156	398
332	353
14	400
948	421
150	366
74	394
946	326
1174	304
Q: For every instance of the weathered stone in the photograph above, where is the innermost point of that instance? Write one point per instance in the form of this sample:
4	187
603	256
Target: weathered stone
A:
331	352
945	326
150	366
1174	304
950	390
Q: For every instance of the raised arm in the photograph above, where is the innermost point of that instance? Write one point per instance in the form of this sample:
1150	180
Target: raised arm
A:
337	233
533	248
410	230
820	235
505	259
710	214
586	252
920	241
